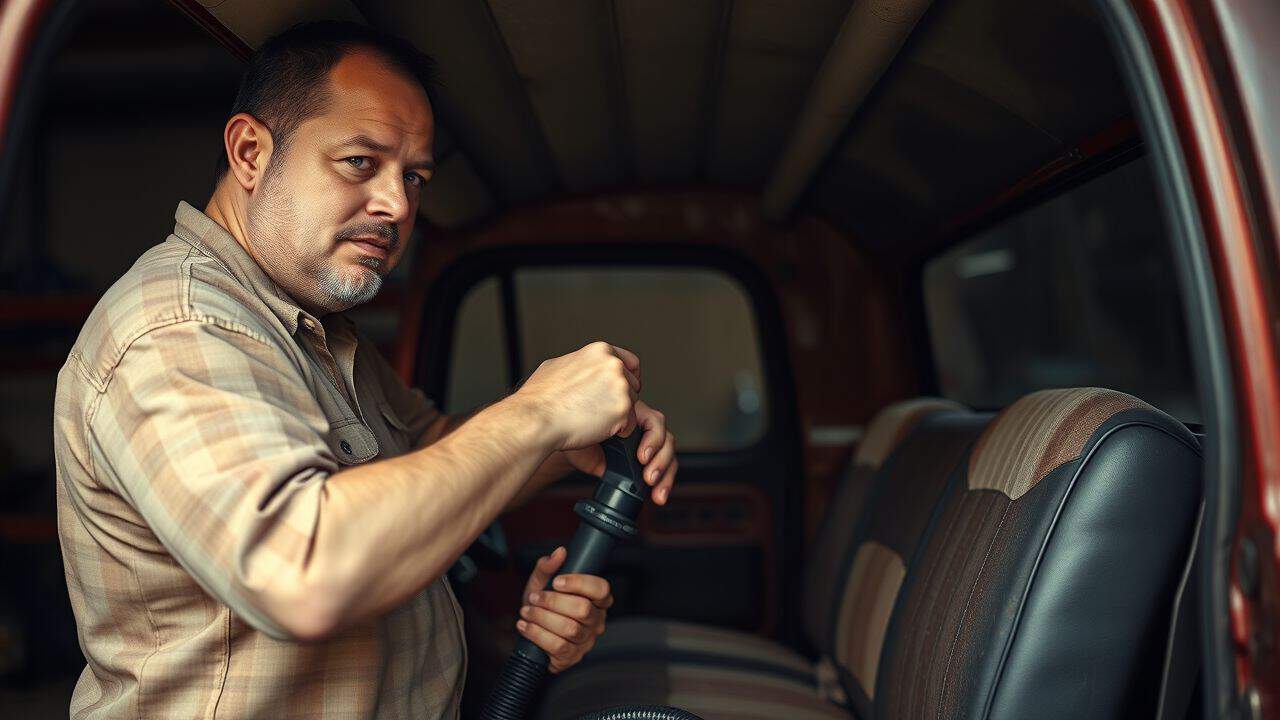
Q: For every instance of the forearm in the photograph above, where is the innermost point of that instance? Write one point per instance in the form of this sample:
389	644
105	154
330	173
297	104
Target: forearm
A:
551	470
444	425
388	528
555	467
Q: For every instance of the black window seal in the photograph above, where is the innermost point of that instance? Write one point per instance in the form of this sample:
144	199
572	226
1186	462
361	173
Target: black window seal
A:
1209	355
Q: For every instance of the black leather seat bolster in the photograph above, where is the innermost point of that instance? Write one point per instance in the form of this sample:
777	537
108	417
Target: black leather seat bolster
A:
1091	623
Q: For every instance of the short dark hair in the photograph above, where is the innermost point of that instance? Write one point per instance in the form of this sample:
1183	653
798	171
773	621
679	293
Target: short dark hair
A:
287	78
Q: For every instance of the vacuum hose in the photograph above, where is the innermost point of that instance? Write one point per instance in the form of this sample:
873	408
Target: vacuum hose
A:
607	518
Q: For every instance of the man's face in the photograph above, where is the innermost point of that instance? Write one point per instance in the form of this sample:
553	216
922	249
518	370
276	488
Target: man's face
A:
336	205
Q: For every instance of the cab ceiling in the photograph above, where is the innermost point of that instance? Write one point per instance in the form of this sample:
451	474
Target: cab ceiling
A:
544	99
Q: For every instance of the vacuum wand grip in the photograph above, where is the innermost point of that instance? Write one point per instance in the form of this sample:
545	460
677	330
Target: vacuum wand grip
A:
607	519
622	462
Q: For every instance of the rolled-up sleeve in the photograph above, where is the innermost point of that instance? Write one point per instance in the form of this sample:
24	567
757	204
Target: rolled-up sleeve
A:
210	433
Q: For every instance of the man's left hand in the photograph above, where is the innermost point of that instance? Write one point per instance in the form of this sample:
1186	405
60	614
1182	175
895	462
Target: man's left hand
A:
657	452
566	620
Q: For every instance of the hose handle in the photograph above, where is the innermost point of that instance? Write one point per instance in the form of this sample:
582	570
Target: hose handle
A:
622	466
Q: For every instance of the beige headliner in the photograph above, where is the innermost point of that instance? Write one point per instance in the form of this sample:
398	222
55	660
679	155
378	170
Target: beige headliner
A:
542	99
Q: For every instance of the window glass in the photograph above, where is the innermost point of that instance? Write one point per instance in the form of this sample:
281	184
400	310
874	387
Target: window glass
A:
478	371
1080	290
693	329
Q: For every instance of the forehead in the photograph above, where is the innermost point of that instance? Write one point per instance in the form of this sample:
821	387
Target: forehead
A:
368	96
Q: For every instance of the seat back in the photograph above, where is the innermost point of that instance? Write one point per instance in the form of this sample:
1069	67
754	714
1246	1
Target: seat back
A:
899	504
1044	584
827	564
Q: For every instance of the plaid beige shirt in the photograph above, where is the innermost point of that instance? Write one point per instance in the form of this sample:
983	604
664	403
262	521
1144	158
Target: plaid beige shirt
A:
196	421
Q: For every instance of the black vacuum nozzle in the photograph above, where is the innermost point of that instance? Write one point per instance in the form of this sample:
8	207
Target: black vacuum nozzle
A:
608	518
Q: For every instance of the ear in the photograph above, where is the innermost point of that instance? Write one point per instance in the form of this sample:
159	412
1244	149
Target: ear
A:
249	146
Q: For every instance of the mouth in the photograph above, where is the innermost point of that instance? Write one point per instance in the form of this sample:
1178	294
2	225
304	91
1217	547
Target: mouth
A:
373	246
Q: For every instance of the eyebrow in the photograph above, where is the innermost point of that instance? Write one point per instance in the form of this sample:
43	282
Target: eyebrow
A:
364	141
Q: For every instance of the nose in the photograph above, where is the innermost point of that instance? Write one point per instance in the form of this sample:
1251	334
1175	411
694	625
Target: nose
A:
388	200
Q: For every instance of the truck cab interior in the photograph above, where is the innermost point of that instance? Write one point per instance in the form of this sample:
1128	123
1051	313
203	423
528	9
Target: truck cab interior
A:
908	279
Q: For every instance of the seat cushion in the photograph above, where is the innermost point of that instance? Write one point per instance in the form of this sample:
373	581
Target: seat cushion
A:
711	692
657	639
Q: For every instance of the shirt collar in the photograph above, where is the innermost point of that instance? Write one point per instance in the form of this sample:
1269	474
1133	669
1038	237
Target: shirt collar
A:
200	230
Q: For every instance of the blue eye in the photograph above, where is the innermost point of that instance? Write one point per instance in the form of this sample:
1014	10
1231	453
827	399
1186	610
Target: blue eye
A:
358	162
415	179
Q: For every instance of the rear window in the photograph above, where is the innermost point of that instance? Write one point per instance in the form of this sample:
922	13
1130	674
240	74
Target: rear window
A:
1080	290
693	328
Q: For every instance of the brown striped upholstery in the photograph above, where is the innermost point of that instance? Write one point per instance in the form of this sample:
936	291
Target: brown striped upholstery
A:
1044	584
1039	433
892	424
828	561
879	512
655	638
863	617
899	508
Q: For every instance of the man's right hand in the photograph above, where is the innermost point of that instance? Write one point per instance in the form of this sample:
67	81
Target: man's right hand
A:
588	395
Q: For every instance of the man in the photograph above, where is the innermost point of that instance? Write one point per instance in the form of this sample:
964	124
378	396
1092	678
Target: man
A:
256	515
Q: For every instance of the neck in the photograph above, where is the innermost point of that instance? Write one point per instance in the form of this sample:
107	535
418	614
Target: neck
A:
227	208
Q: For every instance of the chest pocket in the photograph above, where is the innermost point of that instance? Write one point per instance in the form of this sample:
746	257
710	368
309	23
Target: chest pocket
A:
399	437
352	443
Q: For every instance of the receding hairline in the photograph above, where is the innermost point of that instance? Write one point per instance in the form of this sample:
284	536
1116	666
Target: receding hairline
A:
386	63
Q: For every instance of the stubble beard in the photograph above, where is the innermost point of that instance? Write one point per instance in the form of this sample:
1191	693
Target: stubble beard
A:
308	273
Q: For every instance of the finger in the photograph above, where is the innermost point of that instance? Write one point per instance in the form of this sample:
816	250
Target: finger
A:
557	647
566	627
574	606
628	358
591	587
663	491
655	425
659	464
633	380
544	570
630	423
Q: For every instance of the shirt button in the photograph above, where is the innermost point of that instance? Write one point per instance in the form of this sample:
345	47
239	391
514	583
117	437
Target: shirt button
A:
346	447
